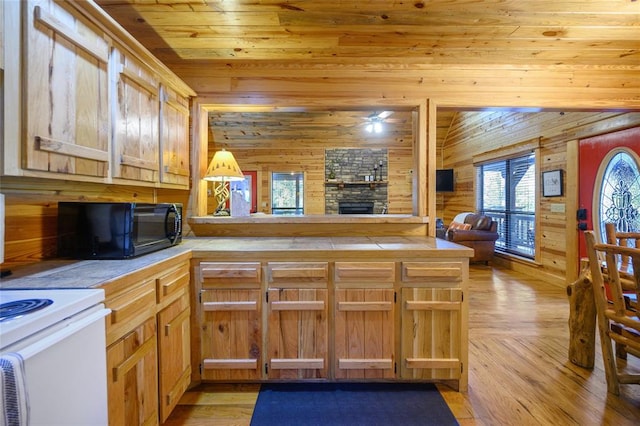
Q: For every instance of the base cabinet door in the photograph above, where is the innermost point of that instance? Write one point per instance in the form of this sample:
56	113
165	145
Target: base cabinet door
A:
364	334
174	353
297	334
231	334
132	382
431	333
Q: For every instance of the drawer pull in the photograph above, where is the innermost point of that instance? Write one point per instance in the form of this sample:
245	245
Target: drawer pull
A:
367	364
135	357
231	364
298	306
144	300
293	363
449	363
432	306
432	272
173	281
365	306
299	273
230	306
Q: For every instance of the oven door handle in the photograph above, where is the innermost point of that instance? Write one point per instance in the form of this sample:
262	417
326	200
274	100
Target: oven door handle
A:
65	332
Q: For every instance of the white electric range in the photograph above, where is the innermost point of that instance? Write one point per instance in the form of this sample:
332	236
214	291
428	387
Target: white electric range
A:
53	341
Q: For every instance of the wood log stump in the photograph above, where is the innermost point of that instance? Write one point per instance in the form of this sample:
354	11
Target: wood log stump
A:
582	320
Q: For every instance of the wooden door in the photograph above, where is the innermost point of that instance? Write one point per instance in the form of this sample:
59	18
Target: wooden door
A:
364	333
174	137
174	353
297	334
592	152
65	92
431	333
132	379
231	334
136	140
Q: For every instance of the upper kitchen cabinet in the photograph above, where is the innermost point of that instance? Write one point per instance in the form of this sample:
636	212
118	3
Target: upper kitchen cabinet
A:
136	112
88	101
65	92
174	137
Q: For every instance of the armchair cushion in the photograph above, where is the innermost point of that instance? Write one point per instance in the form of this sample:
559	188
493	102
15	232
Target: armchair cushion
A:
458	225
481	235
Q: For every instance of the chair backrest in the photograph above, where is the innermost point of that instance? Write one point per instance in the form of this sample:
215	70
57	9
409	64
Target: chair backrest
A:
625	239
620	310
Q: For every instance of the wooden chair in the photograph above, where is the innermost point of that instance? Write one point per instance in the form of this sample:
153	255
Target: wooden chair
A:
624	239
617	320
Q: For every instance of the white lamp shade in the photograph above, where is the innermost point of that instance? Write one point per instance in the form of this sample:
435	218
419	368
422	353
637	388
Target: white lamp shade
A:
223	167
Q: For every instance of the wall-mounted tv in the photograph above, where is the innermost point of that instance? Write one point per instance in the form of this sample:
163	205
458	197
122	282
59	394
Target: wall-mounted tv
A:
444	180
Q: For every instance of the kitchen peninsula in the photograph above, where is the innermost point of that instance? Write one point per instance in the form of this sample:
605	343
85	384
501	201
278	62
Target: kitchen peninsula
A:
246	309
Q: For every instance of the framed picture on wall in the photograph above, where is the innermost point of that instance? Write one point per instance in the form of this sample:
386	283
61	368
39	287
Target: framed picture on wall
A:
552	183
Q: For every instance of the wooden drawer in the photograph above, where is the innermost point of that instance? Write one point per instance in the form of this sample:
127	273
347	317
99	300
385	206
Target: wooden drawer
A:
298	274
170	285
426	272
367	273
129	309
231	274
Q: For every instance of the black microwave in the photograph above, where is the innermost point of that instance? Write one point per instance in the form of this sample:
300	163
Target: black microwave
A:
101	230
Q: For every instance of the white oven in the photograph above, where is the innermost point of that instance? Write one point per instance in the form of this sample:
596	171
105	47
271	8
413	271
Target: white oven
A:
52	354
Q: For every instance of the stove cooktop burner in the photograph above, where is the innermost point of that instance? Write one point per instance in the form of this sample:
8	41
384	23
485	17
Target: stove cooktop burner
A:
19	308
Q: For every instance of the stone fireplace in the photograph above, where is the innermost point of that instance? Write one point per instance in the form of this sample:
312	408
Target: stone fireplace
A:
353	167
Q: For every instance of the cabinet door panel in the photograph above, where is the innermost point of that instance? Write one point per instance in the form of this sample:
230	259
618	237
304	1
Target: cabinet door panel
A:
231	335
297	337
136	140
431	333
174	138
174	353
364	334
65	93
132	377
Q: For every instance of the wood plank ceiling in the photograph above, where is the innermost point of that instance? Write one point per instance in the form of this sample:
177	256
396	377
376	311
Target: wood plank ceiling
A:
208	41
391	31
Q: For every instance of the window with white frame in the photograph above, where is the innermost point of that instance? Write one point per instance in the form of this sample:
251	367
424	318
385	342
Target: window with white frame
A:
507	193
287	193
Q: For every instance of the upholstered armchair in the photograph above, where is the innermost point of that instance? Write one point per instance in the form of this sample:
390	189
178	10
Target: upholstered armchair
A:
476	231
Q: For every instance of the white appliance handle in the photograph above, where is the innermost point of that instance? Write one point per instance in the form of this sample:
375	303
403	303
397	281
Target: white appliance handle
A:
58	336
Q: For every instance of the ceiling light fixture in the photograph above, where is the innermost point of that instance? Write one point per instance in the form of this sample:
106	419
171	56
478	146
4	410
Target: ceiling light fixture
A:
375	126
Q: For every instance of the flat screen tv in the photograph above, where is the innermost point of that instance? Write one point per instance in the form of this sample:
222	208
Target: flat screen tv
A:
444	180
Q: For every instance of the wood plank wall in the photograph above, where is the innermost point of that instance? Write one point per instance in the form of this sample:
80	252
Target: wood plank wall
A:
32	211
476	133
311	162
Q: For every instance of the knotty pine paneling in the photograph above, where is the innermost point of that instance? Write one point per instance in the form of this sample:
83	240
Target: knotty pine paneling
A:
310	161
474	133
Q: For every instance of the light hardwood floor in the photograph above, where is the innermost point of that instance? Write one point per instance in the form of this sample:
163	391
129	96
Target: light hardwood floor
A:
519	371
